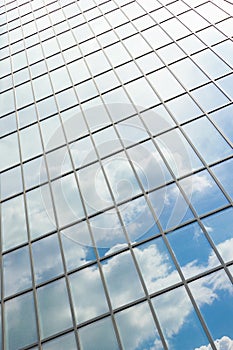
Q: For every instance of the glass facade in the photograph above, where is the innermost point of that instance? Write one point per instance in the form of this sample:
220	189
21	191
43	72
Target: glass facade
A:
116	165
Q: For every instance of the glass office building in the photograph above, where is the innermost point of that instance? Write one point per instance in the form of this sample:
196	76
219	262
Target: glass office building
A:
116	166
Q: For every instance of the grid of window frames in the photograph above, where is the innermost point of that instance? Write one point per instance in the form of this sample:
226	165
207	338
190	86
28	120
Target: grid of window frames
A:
116	170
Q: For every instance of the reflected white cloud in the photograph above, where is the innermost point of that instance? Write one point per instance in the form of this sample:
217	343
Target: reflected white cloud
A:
225	343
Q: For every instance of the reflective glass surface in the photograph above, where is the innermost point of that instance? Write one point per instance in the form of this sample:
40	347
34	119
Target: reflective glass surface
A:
116	166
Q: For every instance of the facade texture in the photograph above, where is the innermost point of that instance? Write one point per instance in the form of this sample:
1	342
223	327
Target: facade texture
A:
116	168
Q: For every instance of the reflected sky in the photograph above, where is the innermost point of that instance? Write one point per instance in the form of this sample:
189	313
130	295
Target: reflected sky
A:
53	319
20	331
100	332
137	328
170	206
108	249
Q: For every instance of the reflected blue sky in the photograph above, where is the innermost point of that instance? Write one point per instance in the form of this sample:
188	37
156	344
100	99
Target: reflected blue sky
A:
115	239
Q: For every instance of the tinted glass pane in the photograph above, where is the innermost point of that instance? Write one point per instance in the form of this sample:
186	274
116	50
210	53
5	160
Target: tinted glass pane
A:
122	264
213	295
17	271
88	294
47	258
65	341
156	265
203	192
77	245
192	250
20	331
54	309
14	229
219	227
178	320
212	148
137	335
101	333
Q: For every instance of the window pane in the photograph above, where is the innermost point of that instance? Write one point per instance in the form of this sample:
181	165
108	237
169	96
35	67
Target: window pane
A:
149	165
191	239
188	73
138	335
223	119
165	84
219	227
223	172
30	149
209	97
54	309
101	333
122	265
142	94
213	295
66	341
9	151
67	200
170	207
88	294
184	108
94	188
10	182
40	211
17	272
121	177
178	320
47	258
156	265
212	149
77	246
20	331
138	220
203	192
178	153
14	230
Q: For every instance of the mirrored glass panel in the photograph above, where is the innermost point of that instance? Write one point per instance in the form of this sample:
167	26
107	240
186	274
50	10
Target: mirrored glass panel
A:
47	258
159	81
54	309
192	250
184	108
40	211
212	149
108	232
88	294
122	264
9	151
77	246
178	320
149	165
101	333
121	177
223	119
223	173
178	153
14	230
94	188
65	341
170	207
204	194
17	271
67	199
10	182
213	294
138	219
20	331
138	335
219	227
156	265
